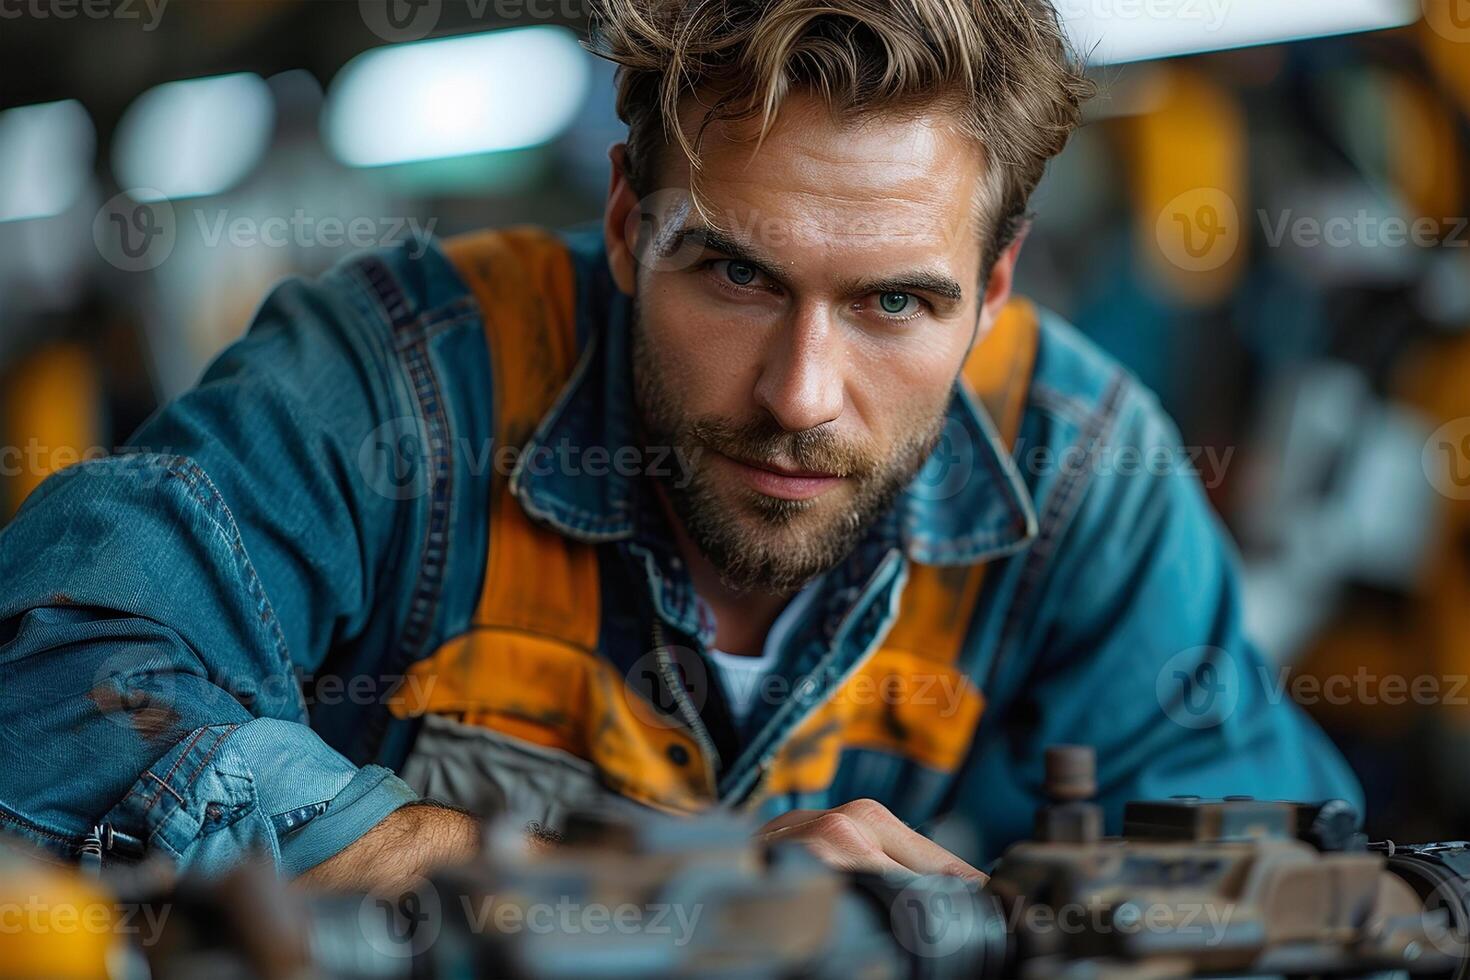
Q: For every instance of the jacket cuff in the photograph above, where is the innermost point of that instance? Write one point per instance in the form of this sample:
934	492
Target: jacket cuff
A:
266	788
372	794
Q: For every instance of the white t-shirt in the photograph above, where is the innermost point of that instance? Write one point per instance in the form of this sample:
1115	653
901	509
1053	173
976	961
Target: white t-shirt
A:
742	677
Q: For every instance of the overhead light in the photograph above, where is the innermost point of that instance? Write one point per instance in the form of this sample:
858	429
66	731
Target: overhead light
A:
46	158
501	90
1118	31
194	137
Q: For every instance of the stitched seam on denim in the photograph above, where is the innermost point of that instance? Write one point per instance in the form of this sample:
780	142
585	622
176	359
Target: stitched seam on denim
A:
979	538
984	538
578	519
164	783
8	816
177	762
435	548
424	382
193	475
434	324
570	519
150	774
229	729
1059	510
1057	402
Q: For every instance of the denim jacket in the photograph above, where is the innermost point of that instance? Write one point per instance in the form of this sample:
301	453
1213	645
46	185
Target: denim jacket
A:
201	640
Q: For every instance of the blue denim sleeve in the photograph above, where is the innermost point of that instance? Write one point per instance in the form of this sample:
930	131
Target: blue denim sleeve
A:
1134	645
158	608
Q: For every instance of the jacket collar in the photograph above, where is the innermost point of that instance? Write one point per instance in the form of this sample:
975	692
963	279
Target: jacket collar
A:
581	472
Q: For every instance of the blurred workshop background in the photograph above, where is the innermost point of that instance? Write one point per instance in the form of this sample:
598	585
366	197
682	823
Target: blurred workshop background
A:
1273	236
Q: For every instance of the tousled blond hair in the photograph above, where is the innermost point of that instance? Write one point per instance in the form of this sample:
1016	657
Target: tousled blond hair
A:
1003	68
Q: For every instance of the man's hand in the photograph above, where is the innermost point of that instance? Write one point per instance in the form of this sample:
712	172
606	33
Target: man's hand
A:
404	846
864	836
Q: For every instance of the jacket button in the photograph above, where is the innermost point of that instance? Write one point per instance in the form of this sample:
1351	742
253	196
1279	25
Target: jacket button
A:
678	755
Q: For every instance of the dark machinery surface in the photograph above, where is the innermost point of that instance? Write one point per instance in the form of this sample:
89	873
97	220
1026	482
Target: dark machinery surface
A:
1192	887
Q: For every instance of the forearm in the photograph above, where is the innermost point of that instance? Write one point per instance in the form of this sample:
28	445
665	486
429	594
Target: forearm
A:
404	846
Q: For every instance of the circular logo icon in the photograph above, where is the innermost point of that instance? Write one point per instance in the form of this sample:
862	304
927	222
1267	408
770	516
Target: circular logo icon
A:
131	693
1450	19
648	691
1444	920
400	20
1199	230
1446	459
934	916
653	227
396	458
948	469
1199	687
401	926
135	236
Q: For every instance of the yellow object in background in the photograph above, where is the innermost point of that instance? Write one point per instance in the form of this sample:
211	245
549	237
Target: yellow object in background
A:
1423	148
1187	160
54	923
50	414
1444	33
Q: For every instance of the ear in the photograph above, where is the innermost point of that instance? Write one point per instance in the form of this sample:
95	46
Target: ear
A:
616	226
998	287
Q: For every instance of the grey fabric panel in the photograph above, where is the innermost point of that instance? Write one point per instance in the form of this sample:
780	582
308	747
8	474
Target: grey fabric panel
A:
495	775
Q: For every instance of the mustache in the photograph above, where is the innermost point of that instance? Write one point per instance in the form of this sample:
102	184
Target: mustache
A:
762	443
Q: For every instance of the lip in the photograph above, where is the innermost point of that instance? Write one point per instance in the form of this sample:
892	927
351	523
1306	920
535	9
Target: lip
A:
784	484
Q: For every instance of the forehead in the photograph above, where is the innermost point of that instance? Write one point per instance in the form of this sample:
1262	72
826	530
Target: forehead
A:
904	187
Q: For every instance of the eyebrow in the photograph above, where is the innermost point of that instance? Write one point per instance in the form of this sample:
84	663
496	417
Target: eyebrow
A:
916	281
717	241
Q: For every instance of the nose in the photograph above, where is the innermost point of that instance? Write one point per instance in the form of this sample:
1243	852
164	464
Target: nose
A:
801	381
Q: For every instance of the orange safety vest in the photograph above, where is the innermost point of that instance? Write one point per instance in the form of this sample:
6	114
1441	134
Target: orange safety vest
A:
529	668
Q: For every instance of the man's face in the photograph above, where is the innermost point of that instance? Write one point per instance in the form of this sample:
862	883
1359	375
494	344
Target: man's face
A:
802	337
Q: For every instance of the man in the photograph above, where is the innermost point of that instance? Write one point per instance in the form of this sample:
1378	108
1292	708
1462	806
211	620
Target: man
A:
771	499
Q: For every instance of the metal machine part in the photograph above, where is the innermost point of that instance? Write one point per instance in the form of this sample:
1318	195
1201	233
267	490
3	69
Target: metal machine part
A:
1192	887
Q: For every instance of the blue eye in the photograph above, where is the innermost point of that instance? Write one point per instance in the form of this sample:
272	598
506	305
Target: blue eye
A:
895	303
740	273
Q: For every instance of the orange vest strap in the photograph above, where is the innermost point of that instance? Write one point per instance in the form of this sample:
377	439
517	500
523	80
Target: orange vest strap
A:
998	370
535	579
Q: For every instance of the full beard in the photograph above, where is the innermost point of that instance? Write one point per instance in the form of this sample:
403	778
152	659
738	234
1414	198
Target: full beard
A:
758	542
